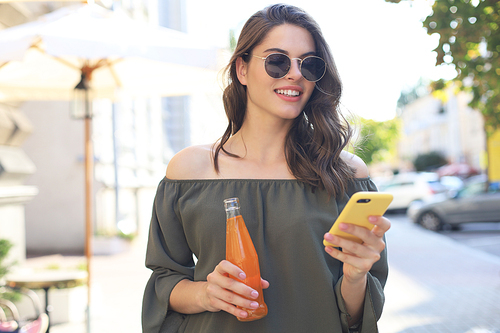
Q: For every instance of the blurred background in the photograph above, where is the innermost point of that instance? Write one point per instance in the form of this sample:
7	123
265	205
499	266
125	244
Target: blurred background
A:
139	80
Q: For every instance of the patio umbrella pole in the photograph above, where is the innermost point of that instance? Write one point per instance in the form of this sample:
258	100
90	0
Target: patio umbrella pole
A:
89	165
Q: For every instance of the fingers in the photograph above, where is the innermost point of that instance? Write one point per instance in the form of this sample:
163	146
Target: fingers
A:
226	294
382	225
227	267
264	283
372	238
226	300
360	256
220	277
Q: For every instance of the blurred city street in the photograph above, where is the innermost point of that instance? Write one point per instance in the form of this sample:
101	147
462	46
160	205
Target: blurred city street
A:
438	285
117	288
435	284
90	118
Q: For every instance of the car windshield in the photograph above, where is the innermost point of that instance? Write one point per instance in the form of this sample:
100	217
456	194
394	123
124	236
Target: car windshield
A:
473	189
398	184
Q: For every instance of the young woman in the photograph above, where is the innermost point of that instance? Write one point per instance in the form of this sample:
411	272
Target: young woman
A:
282	155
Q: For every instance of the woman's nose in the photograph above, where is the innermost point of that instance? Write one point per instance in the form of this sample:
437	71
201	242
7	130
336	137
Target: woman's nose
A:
294	72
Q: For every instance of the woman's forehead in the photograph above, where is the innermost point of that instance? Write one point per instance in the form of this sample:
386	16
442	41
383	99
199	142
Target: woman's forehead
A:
289	38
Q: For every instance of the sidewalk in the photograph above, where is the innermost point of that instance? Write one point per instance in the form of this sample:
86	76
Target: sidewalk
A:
435	285
438	285
117	283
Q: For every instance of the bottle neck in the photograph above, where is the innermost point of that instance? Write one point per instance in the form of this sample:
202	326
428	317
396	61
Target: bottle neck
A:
232	207
232	213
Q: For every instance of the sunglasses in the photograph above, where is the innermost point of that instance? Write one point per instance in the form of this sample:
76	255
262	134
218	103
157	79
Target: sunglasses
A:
278	65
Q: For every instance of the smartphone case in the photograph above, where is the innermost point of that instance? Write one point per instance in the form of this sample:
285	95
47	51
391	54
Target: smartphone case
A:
358	208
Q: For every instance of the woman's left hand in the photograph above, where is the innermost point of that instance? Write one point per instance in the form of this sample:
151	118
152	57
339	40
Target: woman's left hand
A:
358	258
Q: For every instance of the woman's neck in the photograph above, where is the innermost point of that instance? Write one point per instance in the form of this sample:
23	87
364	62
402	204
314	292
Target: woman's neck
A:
259	143
260	157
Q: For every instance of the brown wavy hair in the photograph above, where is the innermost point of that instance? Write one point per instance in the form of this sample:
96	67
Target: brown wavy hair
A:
320	133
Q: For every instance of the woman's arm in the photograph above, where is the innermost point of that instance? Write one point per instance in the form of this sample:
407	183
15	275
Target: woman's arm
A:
358	259
353	293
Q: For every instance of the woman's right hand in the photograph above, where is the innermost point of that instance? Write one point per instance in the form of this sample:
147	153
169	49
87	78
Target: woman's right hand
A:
224	293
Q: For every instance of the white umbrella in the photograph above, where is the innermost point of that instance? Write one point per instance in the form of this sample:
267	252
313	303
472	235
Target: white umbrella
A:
42	59
45	59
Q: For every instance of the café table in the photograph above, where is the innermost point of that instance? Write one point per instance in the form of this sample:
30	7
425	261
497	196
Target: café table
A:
46	280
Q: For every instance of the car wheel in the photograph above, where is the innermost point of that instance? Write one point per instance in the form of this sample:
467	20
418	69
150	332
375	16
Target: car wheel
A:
431	221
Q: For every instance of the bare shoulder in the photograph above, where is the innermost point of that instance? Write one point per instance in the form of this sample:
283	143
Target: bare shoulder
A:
193	162
356	163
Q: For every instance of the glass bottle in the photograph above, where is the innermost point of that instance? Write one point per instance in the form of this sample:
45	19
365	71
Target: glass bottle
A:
241	252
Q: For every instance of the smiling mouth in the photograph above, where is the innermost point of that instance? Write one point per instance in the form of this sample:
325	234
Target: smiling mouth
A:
288	92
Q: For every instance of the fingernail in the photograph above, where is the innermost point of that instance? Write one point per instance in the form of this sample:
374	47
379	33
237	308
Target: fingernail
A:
242	276
254	305
372	218
343	226
255	294
328	236
243	314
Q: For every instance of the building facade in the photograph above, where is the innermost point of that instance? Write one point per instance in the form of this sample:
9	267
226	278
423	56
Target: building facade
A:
16	165
133	141
448	127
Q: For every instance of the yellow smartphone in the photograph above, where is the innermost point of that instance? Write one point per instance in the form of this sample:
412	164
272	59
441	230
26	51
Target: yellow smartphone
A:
356	211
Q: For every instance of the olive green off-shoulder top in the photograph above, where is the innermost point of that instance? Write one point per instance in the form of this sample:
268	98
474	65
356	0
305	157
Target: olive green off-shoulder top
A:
286	220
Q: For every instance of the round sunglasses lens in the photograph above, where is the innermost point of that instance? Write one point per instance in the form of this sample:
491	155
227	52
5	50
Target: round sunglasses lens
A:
313	68
277	65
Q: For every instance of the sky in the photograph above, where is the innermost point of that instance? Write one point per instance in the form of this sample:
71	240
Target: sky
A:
379	48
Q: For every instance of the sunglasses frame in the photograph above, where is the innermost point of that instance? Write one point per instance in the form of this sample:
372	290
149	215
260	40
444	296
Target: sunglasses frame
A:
291	59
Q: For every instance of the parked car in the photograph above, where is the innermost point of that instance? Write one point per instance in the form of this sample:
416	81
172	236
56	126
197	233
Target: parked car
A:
477	201
452	182
410	188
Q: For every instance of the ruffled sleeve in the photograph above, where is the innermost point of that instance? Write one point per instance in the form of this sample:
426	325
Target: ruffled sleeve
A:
168	256
377	277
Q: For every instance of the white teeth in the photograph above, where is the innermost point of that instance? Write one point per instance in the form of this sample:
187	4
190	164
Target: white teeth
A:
288	92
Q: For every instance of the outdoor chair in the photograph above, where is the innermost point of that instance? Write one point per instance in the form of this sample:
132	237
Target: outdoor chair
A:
10	319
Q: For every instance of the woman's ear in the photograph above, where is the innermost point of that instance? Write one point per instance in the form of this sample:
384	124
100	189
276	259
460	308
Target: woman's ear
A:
241	70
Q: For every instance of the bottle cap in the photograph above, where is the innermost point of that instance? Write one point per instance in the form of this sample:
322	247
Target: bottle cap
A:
231	203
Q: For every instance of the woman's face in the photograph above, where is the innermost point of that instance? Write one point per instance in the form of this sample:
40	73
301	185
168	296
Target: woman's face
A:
283	98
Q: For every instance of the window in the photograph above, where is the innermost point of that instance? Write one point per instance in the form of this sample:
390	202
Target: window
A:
172	14
175	117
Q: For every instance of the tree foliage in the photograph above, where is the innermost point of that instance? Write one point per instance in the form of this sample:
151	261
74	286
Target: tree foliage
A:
378	139
5	247
469	39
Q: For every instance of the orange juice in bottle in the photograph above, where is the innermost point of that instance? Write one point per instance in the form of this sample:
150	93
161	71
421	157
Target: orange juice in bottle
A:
241	252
